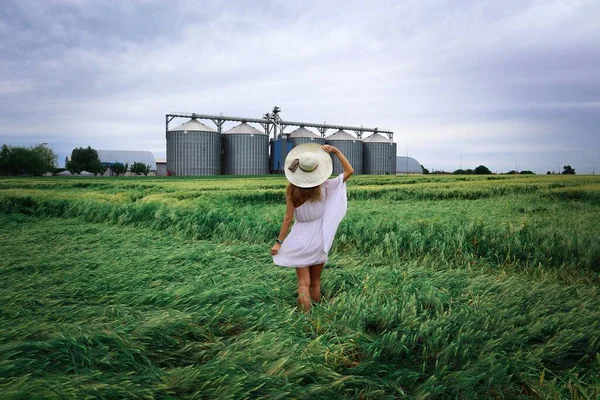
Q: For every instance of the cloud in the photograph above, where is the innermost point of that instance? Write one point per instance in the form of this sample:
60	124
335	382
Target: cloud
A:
11	87
449	78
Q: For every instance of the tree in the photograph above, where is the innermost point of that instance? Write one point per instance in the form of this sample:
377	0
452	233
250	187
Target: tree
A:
425	170
35	160
120	169
4	159
482	170
20	158
43	159
85	160
527	172
568	170
140	168
47	155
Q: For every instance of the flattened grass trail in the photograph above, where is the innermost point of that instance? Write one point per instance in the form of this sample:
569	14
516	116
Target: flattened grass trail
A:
437	287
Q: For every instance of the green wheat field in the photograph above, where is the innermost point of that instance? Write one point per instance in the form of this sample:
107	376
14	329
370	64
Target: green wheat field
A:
438	287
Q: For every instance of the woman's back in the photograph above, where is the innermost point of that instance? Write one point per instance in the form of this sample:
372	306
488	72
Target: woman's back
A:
310	210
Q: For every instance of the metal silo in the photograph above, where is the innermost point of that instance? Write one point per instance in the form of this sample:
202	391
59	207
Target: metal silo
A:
351	146
303	135
280	147
193	149
246	151
379	155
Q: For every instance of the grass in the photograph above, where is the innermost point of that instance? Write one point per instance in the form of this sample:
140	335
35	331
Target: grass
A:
437	287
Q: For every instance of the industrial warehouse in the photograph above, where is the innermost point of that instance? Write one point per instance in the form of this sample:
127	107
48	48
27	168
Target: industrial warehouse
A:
195	149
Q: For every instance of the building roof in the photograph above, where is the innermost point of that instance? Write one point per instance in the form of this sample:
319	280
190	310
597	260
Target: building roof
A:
244	128
127	157
341	135
302	132
376	138
408	165
193	125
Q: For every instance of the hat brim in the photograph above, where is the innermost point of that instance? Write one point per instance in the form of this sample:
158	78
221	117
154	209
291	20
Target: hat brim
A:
309	179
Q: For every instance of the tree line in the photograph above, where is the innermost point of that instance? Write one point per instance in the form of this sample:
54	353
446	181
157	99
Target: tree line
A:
41	159
87	159
483	170
34	160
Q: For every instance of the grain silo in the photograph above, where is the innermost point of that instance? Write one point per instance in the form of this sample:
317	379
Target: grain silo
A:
280	147
303	135
351	146
379	155
193	149
246	151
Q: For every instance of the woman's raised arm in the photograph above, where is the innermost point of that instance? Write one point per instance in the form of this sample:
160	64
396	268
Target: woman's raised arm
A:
348	170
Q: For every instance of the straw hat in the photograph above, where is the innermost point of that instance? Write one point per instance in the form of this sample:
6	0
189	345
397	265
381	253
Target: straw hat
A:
308	165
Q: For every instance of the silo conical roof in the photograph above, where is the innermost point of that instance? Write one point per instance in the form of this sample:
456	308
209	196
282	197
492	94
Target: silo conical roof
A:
376	138
244	128
341	135
302	132
193	125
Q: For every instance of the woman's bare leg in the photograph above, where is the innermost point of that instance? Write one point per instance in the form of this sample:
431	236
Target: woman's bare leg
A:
315	281
303	288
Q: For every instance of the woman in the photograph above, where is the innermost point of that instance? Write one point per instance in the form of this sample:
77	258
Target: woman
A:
318	205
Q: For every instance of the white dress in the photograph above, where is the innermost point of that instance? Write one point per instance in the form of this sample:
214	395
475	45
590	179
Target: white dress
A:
312	235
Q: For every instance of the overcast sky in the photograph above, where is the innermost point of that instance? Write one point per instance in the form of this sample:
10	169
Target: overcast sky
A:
507	84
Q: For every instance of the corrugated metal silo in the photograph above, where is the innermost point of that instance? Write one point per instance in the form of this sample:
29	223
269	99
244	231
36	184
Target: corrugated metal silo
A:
193	149
351	146
303	135
280	147
246	151
379	155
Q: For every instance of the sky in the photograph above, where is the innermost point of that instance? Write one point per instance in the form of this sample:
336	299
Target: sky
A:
505	84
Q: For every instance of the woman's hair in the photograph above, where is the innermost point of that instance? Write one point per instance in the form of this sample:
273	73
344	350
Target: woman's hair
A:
300	195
